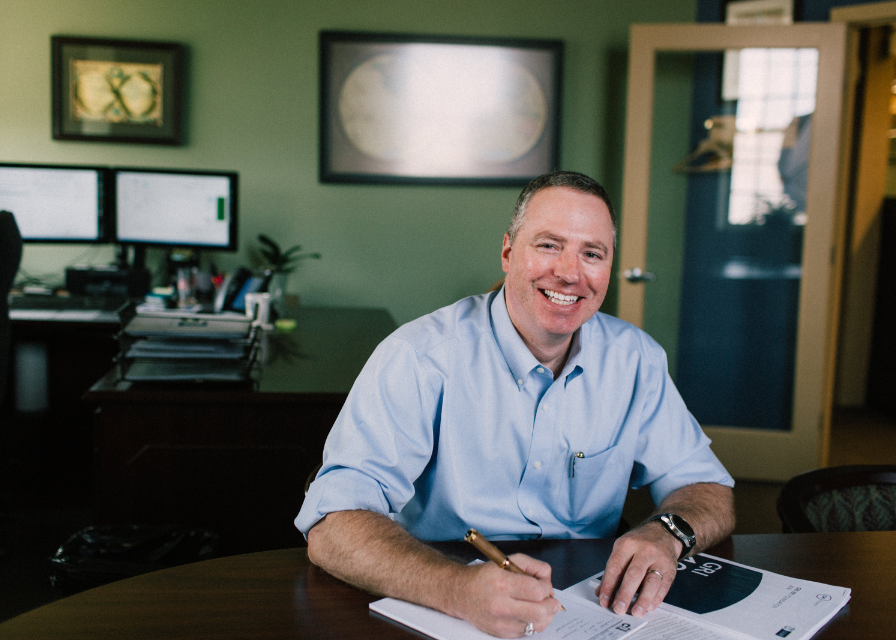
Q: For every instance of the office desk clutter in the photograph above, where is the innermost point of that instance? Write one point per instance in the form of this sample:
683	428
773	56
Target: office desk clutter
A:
184	346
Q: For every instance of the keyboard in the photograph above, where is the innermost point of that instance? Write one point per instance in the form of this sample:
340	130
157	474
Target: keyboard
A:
66	303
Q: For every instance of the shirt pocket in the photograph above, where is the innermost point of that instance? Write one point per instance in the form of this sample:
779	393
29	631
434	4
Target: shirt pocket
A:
593	487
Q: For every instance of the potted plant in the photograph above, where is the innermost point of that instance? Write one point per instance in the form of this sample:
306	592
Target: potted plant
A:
281	263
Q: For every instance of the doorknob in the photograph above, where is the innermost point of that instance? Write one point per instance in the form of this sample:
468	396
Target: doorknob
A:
638	275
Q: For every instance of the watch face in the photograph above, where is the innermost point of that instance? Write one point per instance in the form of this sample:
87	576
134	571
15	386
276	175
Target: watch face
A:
682	525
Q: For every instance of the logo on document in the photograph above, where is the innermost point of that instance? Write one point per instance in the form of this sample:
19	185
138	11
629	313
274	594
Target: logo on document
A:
786	631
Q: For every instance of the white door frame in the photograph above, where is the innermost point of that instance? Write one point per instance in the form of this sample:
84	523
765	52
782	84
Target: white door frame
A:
757	453
859	277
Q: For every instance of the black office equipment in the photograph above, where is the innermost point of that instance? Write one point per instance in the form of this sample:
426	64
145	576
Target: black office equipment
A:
37	303
57	203
108	281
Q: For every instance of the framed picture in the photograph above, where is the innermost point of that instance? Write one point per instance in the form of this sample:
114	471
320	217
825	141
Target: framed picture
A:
116	90
438	110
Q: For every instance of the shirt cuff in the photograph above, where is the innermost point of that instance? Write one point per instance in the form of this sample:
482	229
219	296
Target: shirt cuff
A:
340	490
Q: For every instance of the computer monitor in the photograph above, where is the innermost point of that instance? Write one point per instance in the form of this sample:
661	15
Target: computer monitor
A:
56	203
176	209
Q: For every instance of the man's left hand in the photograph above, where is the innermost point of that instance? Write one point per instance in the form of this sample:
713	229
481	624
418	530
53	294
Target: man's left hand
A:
644	561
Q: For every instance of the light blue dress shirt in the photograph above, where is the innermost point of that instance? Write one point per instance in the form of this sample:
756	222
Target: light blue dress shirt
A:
454	424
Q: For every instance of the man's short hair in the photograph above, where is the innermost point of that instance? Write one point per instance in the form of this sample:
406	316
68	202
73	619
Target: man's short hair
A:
570	179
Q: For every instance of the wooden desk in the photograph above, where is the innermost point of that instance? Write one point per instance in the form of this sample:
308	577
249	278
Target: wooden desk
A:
278	594
233	460
56	442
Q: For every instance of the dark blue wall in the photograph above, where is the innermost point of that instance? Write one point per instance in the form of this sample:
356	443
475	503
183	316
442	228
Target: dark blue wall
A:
803	10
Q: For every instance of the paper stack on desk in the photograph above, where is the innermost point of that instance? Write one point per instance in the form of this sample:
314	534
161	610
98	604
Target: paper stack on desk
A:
717	599
711	599
166	347
582	620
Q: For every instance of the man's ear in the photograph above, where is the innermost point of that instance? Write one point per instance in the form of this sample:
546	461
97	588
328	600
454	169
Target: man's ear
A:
505	254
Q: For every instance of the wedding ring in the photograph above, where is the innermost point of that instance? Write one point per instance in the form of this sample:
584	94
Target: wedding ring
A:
530	629
656	572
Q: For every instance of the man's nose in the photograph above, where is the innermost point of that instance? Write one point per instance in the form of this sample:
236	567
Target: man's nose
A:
568	268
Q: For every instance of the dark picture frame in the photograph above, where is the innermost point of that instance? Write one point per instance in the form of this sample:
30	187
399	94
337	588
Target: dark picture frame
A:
406	109
116	90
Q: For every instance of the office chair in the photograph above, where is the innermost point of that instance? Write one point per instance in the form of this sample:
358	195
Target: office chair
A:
836	499
311	477
10	256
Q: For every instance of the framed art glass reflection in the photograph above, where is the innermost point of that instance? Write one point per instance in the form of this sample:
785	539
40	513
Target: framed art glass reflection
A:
436	110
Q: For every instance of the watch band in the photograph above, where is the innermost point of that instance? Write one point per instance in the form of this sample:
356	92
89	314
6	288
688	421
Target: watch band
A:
678	527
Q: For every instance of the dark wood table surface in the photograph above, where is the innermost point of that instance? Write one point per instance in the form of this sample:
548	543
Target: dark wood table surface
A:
279	594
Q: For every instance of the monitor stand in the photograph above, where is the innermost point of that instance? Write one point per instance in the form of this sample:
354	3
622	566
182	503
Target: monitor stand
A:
130	257
131	269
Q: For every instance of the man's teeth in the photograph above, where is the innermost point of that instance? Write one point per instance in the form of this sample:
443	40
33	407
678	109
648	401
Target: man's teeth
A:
560	298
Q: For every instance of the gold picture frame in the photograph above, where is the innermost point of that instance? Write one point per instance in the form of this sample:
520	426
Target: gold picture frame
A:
116	90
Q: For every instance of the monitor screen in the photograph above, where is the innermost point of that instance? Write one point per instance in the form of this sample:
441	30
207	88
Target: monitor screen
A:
189	209
56	203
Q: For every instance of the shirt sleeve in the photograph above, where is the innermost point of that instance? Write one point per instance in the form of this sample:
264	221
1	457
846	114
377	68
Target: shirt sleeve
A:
381	441
673	451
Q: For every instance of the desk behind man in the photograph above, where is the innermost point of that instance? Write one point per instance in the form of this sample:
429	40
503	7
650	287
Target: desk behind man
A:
523	413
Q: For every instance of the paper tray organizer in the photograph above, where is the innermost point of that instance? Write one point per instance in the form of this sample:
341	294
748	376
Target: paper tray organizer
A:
188	347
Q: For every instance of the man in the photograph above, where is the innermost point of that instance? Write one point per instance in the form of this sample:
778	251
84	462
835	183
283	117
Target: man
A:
522	413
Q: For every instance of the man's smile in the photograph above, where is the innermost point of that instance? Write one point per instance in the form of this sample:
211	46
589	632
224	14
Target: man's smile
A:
560	298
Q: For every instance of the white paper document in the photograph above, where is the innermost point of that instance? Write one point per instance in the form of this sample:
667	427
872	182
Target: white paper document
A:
736	601
582	620
711	599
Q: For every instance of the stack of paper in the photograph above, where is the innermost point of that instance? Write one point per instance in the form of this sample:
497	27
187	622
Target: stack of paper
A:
187	346
711	599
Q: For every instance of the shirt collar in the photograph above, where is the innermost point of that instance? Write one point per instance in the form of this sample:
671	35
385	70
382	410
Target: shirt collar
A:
516	353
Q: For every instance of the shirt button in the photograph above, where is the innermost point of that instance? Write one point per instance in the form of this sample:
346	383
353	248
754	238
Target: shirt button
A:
530	513
538	464
520	381
540	369
544	407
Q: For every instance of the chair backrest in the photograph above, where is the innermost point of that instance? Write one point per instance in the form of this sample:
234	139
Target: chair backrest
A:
10	250
848	498
10	257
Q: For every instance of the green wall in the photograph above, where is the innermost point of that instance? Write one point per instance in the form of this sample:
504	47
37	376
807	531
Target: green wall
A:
252	106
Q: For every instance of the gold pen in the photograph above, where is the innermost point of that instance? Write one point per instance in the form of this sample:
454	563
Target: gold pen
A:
491	552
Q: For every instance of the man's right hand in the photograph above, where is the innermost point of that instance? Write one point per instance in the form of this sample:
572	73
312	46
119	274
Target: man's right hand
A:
502	603
373	553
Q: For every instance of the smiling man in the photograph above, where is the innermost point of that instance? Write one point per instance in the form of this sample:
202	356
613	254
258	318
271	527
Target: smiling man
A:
524	413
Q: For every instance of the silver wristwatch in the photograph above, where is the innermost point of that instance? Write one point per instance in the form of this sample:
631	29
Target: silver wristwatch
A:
678	527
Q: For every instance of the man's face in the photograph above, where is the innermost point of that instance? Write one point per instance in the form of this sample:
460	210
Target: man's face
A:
558	268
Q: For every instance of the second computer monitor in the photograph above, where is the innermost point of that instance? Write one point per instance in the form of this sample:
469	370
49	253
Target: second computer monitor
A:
174	208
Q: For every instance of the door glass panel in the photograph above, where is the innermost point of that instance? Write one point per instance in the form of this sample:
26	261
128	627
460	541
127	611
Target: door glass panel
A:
726	218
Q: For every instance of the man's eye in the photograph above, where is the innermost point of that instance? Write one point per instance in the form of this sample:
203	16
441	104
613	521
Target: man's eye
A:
591	255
